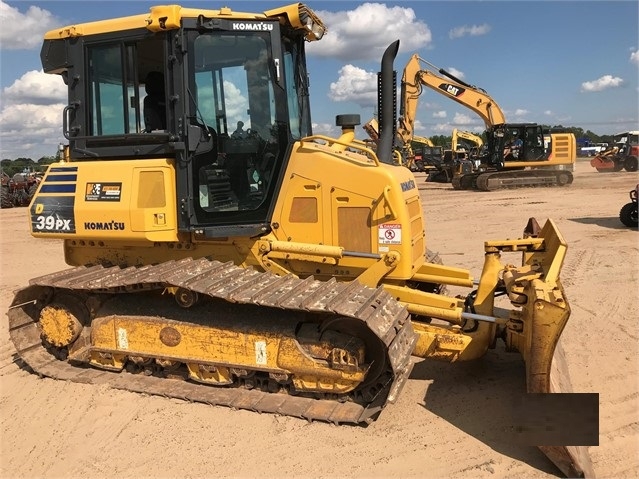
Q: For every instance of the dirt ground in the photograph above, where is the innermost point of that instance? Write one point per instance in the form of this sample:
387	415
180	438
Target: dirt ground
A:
447	420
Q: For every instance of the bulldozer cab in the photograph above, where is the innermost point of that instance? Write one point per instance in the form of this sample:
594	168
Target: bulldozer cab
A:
180	94
239	103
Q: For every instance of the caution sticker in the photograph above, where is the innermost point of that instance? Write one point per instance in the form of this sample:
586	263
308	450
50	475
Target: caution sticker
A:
260	352
390	234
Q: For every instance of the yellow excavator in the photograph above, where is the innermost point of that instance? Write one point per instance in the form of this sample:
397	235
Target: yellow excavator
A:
221	252
515	152
473	151
404	154
457	160
418	153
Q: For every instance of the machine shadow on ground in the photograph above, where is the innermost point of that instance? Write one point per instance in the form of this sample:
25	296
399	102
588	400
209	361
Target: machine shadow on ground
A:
611	222
478	397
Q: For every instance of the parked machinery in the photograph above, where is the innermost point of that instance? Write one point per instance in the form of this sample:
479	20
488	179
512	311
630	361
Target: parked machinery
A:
628	212
623	154
458	160
471	153
502	166
265	268
19	189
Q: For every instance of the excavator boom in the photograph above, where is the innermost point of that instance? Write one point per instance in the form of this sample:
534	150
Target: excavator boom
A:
415	77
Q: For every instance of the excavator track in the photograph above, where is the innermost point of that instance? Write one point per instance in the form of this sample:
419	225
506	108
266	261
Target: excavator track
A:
496	180
373	309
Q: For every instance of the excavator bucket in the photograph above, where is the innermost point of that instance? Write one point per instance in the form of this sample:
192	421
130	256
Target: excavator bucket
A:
562	424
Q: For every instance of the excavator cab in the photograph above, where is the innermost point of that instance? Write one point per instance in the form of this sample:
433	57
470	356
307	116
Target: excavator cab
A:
514	143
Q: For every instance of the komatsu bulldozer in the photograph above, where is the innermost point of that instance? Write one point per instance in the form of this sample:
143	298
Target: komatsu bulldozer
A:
221	252
516	154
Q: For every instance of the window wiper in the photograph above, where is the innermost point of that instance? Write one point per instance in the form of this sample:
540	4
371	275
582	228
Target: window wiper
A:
199	114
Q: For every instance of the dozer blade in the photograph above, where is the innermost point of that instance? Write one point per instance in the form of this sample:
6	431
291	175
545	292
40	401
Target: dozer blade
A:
537	336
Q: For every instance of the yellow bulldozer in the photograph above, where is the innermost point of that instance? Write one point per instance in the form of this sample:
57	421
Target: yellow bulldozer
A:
221	252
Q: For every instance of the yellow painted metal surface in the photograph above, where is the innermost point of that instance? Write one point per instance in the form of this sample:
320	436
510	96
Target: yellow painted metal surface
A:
439	342
169	17
211	351
362	207
134	202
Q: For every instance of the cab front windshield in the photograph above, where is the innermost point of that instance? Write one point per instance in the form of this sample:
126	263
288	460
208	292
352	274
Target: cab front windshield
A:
236	96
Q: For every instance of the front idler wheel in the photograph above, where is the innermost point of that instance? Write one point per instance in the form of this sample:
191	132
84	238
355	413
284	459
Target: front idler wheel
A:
62	320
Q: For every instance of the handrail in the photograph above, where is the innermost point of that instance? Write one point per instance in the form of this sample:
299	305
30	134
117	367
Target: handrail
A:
386	191
367	151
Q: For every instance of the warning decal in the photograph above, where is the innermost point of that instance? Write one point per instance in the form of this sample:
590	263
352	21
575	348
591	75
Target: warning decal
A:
103	192
390	234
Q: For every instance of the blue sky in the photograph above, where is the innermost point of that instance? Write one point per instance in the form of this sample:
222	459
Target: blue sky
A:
560	62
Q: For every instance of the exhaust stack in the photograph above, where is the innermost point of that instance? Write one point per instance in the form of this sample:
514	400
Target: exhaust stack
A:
387	104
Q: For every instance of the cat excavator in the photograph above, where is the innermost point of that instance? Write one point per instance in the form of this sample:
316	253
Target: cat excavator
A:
504	165
261	267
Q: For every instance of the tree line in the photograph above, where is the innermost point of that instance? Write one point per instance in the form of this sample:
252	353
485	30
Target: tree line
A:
26	165
20	165
443	140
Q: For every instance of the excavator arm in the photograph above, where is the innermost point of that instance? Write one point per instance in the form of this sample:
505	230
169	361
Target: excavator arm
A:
465	135
415	78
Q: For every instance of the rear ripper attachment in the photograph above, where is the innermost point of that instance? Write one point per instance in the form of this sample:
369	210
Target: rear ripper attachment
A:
335	352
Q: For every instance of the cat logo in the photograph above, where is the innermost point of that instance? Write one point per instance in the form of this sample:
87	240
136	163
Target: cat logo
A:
452	90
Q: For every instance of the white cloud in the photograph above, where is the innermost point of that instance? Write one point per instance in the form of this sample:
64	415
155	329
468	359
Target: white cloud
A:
439	114
634	57
326	129
36	87
31	116
365	32
521	112
463	119
236	103
356	85
455	72
418	127
602	83
548	112
24	31
472	30
444	128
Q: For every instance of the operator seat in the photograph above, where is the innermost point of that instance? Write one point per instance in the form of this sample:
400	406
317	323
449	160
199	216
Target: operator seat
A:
154	102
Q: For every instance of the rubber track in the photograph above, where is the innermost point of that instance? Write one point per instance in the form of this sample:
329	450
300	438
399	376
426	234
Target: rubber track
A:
382	314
